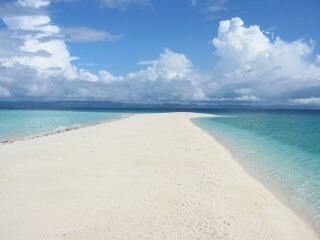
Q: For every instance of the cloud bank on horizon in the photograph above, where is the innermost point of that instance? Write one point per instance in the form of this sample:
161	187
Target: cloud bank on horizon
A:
35	63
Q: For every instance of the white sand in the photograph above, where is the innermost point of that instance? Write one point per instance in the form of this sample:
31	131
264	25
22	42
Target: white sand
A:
151	176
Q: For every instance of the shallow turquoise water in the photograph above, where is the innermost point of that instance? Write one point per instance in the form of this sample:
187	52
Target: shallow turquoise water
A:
281	149
16	124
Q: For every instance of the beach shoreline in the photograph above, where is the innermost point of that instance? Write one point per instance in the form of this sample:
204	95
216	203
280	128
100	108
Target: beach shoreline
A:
61	129
159	173
271	187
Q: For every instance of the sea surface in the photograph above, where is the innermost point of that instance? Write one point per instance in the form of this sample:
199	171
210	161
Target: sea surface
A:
279	148
19	124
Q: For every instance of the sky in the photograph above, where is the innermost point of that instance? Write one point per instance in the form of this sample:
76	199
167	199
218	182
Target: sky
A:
220	52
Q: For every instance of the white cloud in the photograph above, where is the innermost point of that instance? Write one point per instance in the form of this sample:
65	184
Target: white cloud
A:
39	66
57	57
275	70
161	81
248	98
26	22
172	66
244	91
32	41
45	56
83	34
147	62
124	4
244	98
252	69
210	6
31	23
107	77
217	8
171	77
33	3
307	101
36	59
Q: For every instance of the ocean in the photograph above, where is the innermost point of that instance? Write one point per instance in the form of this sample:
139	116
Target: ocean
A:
280	148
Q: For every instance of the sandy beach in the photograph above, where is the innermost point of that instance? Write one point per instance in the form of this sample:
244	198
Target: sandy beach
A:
148	176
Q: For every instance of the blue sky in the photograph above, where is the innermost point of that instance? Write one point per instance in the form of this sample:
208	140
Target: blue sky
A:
178	26
65	50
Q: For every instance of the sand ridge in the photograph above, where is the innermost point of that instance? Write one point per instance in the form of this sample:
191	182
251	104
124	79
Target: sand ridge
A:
149	176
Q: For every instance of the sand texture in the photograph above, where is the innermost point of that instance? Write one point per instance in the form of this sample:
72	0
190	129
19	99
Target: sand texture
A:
148	176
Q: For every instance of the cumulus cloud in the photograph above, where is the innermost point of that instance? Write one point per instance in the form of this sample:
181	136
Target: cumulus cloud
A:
249	62
39	66
171	66
171	77
36	23
35	45
35	63
34	57
34	54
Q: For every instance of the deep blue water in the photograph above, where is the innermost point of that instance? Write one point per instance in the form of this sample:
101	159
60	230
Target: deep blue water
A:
279	148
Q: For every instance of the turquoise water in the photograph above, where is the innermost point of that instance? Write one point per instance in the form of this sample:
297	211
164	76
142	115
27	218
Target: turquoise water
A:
280	149
17	124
